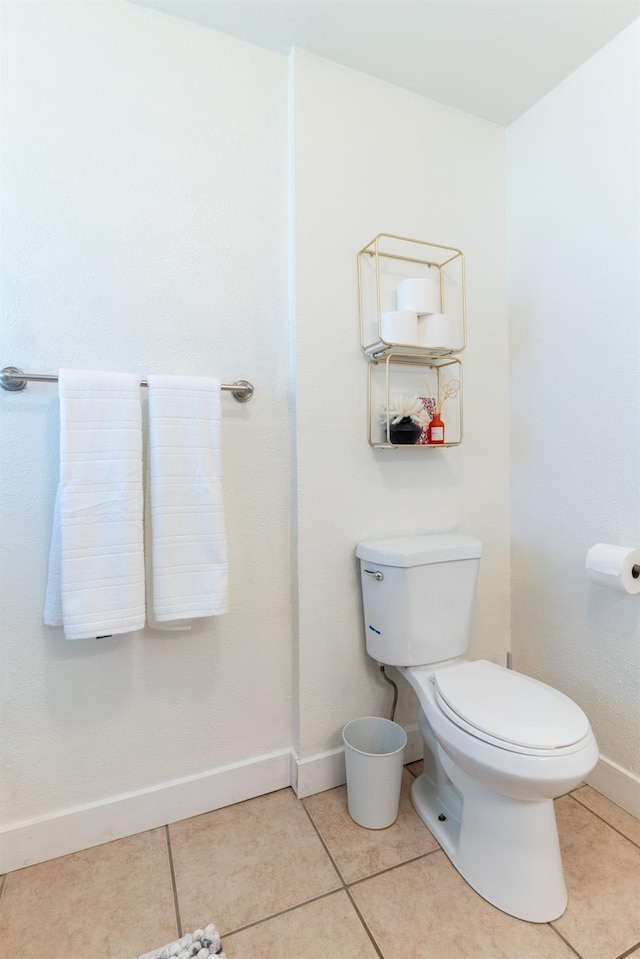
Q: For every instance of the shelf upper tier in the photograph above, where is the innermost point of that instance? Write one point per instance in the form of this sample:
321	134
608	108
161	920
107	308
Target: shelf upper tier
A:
385	266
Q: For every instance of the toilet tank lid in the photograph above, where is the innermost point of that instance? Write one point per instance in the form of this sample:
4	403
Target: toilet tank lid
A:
420	550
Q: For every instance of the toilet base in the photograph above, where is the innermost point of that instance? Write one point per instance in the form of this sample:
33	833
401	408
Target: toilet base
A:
506	849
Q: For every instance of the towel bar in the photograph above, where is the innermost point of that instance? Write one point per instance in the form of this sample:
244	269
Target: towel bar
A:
14	380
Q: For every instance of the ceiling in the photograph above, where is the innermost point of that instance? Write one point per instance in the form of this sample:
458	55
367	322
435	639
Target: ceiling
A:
491	58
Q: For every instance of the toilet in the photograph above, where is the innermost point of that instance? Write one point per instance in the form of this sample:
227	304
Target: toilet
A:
499	747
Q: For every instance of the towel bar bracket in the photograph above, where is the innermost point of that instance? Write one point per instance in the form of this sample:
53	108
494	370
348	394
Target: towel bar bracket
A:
14	381
10	380
242	390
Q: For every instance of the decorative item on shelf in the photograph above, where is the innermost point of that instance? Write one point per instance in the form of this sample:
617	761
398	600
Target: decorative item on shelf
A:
435	433
436	428
403	420
429	404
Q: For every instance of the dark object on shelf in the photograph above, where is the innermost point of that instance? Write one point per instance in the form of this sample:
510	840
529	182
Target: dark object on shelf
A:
405	432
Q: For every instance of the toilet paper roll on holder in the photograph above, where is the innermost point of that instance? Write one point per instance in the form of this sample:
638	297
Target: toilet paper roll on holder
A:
616	567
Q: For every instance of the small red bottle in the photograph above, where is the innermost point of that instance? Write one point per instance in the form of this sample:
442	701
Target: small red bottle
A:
435	432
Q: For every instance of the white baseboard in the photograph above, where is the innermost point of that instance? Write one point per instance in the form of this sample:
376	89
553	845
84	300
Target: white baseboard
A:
36	841
28	843
327	770
72	830
617	784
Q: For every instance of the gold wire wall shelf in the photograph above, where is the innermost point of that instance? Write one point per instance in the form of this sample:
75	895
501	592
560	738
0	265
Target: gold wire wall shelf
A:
412	297
405	391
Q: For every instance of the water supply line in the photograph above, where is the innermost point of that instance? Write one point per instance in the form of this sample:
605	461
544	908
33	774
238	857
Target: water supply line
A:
395	690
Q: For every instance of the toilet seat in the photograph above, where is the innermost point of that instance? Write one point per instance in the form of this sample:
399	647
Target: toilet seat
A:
509	710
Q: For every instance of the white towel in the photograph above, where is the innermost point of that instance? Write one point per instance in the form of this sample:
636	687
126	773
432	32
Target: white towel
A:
189	552
178	625
96	564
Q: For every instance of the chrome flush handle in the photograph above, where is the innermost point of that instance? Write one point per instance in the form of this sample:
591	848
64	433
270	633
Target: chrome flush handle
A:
375	573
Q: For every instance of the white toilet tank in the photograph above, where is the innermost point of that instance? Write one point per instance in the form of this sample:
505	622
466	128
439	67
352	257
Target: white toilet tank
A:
418	594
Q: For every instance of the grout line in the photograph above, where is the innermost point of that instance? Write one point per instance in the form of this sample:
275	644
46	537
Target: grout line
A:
282	912
398	865
605	821
345	887
410	771
355	882
3	882
325	847
298	905
628	952
365	926
173	883
566	941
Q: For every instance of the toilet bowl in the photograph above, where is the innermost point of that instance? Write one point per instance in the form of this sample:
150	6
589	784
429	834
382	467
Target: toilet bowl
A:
561	745
489	800
499	746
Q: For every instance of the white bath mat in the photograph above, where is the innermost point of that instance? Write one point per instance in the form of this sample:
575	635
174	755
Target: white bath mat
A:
200	944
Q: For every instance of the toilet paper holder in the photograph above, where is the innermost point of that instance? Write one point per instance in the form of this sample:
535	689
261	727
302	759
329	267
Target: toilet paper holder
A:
616	567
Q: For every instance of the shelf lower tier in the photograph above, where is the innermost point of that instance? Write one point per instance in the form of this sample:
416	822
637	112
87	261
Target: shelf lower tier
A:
415	446
405	392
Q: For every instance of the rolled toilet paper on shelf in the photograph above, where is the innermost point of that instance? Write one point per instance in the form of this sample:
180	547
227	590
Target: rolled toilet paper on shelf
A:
616	567
437	330
421	294
400	326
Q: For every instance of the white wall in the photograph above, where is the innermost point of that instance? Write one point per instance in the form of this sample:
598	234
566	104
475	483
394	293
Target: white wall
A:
574	240
144	229
372	158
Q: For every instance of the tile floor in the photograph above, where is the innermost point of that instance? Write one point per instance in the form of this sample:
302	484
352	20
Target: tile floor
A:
284	878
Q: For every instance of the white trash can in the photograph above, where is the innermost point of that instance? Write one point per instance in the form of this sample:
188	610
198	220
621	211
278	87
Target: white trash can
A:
374	756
